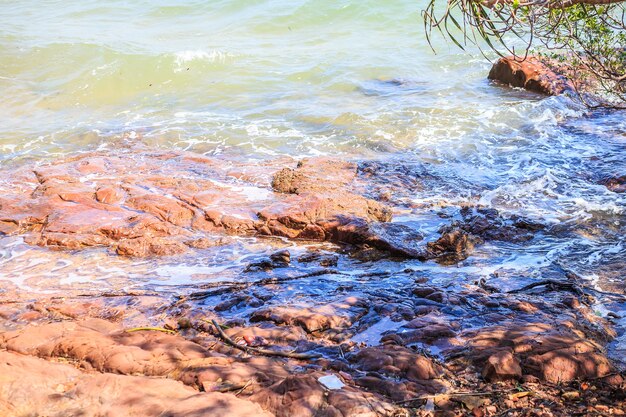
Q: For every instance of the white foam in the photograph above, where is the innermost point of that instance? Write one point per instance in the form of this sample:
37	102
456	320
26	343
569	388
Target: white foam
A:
183	58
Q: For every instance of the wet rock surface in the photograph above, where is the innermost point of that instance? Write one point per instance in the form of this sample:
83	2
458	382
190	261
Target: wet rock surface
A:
394	312
532	74
617	184
174	202
165	355
171	200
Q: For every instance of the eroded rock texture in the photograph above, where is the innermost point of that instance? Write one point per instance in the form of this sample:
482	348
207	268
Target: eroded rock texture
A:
58	390
387	337
59	355
532	74
142	203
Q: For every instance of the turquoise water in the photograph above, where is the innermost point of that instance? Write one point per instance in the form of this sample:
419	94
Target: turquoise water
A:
297	77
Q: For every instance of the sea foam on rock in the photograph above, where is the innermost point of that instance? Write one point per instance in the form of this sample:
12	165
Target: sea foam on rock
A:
169	202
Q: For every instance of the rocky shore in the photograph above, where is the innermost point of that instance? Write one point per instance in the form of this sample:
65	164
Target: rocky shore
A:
296	335
533	73
552	77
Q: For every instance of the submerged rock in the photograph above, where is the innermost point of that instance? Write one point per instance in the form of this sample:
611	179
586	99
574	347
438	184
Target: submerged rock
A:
336	315
322	259
488	224
280	259
458	239
169	200
617	184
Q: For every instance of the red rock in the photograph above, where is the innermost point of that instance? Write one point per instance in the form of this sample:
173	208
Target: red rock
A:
398	361
275	335
31	316
102	346
204	243
154	209
93	166
304	396
563	365
314	175
320	216
109	195
335	315
32	386
215	371
73	310
164	208
68	241
502	366
532	74
19	215
142	246
551	354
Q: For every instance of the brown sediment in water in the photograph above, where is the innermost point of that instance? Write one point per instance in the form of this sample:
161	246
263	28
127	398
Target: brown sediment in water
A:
539	350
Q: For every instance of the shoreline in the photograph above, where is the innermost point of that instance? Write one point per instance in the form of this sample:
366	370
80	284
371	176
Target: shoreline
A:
460	347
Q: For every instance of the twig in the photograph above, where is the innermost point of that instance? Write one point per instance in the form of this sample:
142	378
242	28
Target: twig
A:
227	387
265	352
568	286
120	294
154	329
508	410
454	394
243	388
604	376
550	283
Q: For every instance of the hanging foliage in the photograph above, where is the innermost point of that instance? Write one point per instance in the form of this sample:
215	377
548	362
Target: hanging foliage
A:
588	35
